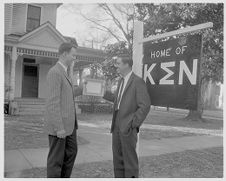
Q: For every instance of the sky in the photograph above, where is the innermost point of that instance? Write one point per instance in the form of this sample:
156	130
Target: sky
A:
70	24
73	24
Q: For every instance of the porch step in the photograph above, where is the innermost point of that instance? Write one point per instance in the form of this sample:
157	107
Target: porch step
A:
30	106
33	106
22	113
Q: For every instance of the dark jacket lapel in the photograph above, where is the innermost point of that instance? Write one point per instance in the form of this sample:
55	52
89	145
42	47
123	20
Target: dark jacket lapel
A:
128	83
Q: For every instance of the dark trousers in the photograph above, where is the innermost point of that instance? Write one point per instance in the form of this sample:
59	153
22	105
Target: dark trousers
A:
61	157
125	158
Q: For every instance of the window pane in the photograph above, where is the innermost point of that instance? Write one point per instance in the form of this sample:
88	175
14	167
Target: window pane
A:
34	12
33	17
32	24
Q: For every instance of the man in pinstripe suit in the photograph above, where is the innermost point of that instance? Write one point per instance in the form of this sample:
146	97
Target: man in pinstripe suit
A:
60	118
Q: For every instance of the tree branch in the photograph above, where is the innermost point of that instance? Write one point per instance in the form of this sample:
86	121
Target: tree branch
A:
118	24
98	24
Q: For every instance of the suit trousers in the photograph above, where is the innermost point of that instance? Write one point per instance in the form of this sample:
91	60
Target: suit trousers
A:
62	154
125	159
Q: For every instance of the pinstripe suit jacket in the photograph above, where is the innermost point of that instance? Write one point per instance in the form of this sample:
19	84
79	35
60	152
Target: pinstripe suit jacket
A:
60	106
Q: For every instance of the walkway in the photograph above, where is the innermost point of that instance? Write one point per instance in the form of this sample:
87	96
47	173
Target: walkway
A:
99	149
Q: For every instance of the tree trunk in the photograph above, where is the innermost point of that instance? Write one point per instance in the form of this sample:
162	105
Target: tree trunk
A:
196	115
80	76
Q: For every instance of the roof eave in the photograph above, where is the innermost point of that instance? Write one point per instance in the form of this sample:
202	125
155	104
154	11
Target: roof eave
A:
11	38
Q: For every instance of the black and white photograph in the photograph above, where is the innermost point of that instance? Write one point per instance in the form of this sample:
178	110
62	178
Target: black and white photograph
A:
122	89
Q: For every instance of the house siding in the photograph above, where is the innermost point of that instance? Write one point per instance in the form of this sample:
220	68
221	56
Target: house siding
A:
49	14
8	18
16	16
19	18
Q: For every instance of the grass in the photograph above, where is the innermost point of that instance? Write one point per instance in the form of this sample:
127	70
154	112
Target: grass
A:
175	119
27	132
205	163
148	134
162	117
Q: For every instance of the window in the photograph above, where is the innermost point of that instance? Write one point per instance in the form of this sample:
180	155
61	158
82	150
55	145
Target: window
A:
28	60
33	17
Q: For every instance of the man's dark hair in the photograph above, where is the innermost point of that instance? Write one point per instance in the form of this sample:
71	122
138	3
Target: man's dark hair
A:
66	47
126	59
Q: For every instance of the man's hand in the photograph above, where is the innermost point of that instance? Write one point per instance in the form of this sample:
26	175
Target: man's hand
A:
107	87
134	125
61	134
83	83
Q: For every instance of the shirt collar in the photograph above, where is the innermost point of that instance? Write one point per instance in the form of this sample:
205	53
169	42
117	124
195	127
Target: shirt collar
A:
128	75
65	68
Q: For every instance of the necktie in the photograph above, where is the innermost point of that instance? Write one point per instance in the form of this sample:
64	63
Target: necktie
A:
120	93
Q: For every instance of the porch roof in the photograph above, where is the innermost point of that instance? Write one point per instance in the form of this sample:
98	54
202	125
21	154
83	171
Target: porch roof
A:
44	42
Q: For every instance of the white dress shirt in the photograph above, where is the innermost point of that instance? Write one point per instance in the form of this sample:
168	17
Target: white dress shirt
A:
126	78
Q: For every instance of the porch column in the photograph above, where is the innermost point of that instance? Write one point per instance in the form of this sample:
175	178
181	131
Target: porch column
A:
12	73
12	104
80	75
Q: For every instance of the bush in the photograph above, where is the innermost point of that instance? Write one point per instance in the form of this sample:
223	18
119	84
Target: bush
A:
96	107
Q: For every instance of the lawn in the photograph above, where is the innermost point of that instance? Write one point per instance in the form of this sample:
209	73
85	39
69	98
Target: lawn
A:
150	134
162	117
205	163
27	132
171	118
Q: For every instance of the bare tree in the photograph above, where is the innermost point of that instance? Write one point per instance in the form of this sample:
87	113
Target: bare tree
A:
114	21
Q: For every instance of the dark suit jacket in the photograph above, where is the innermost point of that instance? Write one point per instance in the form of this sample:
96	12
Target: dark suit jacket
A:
134	106
60	105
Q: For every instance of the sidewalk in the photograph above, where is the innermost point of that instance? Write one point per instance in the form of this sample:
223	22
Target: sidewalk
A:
99	149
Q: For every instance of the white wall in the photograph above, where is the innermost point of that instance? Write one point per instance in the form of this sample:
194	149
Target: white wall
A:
43	70
49	14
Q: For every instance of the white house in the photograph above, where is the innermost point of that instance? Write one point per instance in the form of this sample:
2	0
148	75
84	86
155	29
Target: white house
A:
31	46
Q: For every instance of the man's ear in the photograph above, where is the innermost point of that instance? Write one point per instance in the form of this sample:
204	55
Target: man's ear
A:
64	54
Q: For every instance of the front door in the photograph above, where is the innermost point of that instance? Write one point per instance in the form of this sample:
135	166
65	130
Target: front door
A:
30	81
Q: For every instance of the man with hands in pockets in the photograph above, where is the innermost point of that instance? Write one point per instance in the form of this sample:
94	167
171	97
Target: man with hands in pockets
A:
131	106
